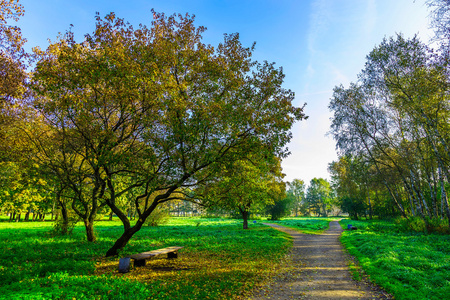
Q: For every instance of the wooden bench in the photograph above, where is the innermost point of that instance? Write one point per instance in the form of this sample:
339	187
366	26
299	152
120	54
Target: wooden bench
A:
139	258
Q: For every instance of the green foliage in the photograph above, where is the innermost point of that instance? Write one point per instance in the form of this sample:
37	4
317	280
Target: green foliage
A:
219	261
280	208
296	193
158	217
179	111
392	128
245	186
319	196
62	227
408	265
352	206
417	224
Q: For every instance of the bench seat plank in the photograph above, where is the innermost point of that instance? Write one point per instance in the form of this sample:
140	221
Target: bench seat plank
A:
139	258
148	254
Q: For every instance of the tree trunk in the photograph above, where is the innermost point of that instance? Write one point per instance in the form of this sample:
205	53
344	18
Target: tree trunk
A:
89	225
412	206
370	205
245	214
65	220
123	240
110	216
53	211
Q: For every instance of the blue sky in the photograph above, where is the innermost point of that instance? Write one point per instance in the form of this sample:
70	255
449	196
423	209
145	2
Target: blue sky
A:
319	44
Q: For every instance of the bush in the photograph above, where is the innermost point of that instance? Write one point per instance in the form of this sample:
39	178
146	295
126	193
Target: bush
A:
418	224
158	217
65	227
438	225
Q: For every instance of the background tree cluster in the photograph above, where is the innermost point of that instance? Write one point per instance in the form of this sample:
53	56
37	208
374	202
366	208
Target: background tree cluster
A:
392	129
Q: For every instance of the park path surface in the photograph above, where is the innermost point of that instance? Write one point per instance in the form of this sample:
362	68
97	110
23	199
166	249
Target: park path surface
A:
317	269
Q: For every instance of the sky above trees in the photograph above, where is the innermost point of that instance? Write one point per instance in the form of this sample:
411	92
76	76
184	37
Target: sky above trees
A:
319	44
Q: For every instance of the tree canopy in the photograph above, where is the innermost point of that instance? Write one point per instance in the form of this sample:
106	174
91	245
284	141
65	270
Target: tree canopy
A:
152	111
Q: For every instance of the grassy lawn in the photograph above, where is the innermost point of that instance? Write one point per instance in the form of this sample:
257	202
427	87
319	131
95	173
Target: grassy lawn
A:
407	265
219	261
306	224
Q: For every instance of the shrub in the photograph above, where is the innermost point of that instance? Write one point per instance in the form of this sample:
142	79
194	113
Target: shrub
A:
438	225
418	224
158	217
65	227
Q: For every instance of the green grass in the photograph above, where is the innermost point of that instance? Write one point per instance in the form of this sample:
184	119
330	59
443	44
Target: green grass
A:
408	265
306	225
219	261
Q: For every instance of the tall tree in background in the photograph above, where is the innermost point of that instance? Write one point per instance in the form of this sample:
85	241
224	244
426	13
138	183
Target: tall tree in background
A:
157	109
319	196
296	188
350	176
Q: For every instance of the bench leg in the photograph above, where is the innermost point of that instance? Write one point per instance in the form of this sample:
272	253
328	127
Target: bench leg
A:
139	262
172	255
124	265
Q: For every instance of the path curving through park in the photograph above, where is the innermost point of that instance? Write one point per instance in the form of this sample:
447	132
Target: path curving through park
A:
317	269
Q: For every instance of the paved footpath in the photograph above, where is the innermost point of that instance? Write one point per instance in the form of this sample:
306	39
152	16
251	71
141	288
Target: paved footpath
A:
317	269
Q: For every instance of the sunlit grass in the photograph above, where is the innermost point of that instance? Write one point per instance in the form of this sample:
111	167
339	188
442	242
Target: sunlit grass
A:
408	265
308	225
219	261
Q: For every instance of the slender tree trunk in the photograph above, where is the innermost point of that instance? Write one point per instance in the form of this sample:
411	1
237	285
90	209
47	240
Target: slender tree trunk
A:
244	218
53	211
399	205
65	220
413	196
433	200
412	206
370	205
446	207
324	207
419	194
90	234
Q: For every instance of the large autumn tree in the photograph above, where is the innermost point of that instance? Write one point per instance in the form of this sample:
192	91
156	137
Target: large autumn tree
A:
155	108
